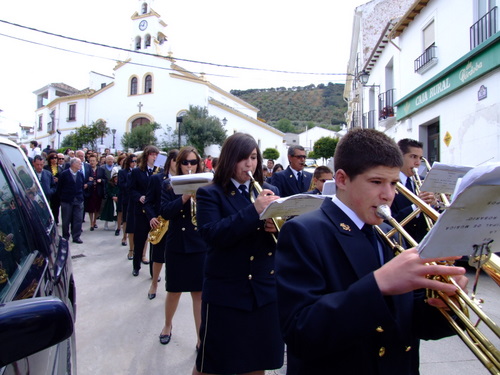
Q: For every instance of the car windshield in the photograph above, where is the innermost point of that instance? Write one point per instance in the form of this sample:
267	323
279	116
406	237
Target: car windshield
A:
14	234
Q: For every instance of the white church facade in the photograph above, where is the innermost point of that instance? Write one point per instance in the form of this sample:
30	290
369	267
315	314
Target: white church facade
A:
149	86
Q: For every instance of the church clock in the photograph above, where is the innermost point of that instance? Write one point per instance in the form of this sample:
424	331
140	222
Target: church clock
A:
143	25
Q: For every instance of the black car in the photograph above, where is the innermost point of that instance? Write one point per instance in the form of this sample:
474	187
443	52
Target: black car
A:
37	289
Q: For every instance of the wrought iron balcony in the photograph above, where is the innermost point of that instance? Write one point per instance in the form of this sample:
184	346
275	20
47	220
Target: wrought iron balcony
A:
484	28
386	104
426	59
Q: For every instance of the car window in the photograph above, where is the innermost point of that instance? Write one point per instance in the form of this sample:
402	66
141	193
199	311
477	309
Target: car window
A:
17	192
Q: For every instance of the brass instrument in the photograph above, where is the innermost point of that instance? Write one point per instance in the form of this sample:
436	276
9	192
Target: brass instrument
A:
156	234
193	209
418	183
477	342
277	221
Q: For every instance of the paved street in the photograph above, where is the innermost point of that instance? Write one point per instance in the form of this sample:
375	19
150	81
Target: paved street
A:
117	327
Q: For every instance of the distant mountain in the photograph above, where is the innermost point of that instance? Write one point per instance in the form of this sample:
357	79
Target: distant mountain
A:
321	105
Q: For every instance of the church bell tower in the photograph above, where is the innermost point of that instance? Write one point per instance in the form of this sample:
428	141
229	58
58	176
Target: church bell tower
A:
148	29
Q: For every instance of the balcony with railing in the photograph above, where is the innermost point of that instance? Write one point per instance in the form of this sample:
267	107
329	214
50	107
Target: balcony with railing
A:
426	60
386	104
483	29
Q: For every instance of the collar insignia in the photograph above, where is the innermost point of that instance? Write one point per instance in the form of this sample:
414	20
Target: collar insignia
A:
345	227
233	193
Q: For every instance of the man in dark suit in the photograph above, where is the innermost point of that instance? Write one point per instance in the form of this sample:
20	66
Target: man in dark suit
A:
345	302
320	176
293	180
412	151
45	177
70	190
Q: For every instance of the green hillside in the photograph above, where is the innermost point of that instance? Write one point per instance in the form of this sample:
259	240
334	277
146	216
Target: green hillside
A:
321	105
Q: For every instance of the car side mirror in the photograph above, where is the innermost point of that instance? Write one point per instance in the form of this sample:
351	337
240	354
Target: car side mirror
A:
31	325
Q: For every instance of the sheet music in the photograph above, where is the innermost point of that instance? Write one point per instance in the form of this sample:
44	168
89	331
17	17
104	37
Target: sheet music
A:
472	219
160	161
442	178
329	188
189	183
293	205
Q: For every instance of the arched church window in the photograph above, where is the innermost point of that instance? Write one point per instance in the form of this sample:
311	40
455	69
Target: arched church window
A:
140	121
148	84
144	8
147	41
133	86
138	42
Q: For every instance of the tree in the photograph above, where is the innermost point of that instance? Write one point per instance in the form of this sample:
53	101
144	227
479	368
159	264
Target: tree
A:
325	147
140	136
270	153
202	130
86	134
285	126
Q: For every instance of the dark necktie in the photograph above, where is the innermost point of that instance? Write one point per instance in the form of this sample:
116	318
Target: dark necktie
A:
409	185
150	171
243	189
299	179
370	235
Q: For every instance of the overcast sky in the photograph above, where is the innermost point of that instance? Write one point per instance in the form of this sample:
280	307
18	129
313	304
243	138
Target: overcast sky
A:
312	36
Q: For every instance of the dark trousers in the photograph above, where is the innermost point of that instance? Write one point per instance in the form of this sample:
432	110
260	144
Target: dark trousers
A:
141	231
72	213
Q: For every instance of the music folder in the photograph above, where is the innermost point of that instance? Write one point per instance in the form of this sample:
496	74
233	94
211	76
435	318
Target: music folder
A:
472	220
189	183
293	205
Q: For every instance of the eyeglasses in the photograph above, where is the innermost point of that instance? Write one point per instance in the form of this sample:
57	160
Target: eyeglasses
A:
133	161
60	158
303	157
192	162
323	180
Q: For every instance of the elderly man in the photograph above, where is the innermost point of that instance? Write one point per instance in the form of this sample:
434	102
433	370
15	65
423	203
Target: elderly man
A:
70	190
45	177
293	180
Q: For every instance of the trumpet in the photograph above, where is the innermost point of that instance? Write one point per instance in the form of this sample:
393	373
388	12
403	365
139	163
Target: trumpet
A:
475	340
277	221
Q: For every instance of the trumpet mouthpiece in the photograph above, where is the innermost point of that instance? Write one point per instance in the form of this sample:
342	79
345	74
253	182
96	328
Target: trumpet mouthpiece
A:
415	171
384	212
250	174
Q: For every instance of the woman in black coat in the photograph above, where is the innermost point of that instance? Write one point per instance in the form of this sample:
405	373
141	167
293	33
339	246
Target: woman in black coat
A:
123	185
186	250
240	330
139	179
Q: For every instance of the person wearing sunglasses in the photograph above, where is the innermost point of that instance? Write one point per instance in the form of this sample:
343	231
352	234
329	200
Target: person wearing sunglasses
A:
293	180
185	249
320	176
55	169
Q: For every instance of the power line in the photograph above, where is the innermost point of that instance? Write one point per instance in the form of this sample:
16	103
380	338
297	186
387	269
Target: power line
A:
151	54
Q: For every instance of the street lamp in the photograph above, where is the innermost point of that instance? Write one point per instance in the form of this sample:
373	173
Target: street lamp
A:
58	138
363	77
179	122
114	133
224	121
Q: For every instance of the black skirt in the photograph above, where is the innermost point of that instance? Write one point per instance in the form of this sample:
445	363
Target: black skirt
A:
239	341
184	272
158	250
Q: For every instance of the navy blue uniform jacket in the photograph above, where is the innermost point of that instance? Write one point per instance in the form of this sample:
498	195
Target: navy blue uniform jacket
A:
333	317
288	185
182	235
152	204
48	184
239	269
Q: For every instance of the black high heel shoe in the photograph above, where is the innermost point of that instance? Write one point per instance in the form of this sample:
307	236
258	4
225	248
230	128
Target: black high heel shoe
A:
165	339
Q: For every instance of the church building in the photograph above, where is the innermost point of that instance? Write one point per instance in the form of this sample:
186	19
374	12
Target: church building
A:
148	86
